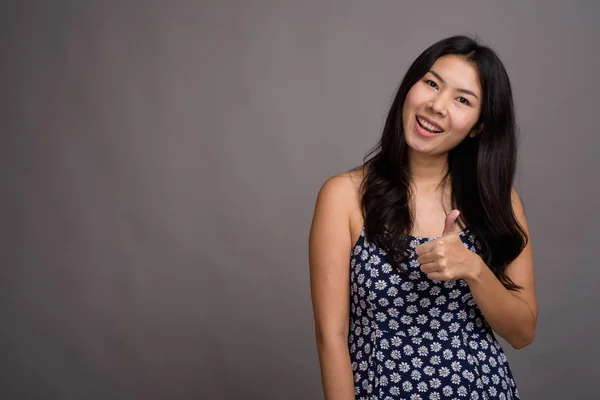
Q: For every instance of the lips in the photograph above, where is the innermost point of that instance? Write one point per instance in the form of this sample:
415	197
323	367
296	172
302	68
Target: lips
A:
429	125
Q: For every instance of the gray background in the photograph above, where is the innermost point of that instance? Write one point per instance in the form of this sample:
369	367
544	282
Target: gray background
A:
159	167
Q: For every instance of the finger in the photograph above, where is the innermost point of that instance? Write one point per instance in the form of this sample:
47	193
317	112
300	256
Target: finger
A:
450	226
424	248
438	276
429	267
427	258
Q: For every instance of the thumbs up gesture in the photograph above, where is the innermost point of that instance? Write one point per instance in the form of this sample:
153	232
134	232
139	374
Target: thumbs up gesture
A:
447	258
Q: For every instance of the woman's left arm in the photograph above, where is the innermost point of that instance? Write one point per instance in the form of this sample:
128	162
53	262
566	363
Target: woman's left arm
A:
511	314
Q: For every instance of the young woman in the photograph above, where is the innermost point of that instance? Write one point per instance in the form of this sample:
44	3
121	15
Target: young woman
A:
422	254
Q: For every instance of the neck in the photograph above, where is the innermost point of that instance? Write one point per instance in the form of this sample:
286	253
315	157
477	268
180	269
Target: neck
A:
427	170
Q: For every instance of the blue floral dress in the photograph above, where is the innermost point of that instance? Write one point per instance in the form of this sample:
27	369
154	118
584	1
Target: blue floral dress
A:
418	339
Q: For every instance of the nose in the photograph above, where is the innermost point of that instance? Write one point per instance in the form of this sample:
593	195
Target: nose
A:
437	104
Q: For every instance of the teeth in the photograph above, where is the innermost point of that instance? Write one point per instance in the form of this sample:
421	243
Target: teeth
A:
428	126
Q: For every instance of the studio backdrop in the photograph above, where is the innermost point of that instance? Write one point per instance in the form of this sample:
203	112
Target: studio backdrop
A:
160	163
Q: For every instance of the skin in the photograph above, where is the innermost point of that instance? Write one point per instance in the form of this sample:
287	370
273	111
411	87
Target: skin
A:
338	220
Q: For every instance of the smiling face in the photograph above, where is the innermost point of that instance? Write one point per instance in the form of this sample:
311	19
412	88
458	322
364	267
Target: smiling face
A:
442	108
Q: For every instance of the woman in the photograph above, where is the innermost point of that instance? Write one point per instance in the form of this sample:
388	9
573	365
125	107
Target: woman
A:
419	255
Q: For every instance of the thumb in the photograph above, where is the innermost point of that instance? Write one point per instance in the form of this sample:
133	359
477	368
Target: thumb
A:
450	226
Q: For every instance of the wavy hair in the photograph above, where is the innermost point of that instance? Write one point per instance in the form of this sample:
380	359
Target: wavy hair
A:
481	169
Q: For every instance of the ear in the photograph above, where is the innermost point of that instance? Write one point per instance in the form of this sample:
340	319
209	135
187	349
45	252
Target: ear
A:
476	130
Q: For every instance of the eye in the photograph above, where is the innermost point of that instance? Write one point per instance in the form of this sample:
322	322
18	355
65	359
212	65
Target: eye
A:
431	83
464	101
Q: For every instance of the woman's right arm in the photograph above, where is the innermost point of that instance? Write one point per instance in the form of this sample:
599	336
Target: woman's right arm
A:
329	259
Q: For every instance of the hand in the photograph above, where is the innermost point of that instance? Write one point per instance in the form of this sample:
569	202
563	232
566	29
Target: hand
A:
447	258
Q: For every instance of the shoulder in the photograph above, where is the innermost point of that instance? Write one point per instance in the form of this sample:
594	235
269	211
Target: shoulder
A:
518	208
342	190
516	201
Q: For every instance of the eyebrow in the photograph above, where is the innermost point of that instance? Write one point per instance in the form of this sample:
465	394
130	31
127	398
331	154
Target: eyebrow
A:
466	91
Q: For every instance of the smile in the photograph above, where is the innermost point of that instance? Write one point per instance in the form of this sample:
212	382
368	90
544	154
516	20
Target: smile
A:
428	126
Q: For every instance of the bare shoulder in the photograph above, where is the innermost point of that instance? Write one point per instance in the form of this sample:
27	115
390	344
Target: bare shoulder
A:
342	190
518	208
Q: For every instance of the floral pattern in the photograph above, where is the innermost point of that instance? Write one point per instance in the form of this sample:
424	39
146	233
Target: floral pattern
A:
419	339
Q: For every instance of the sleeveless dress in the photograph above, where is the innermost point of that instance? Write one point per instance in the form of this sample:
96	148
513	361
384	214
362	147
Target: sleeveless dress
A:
414	338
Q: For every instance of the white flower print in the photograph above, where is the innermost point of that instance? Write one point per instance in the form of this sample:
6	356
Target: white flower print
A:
416	375
435	346
468	375
435	291
425	302
375	260
407	386
456	366
447	390
380	285
455	379
414	275
455	342
364	255
417	362
434	324
447	317
413	331
412	297
387	268
435	383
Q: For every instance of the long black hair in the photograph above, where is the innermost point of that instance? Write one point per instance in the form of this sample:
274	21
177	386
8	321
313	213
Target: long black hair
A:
481	169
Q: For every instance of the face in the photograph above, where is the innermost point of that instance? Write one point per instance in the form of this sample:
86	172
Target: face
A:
442	108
